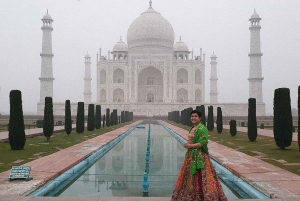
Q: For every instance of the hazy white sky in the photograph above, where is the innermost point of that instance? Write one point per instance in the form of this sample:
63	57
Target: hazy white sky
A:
221	26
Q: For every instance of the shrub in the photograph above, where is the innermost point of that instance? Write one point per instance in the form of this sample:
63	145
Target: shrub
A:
98	117
107	117
210	119
232	124
262	126
16	133
252	123
68	118
219	120
243	124
80	118
91	118
39	123
48	126
283	123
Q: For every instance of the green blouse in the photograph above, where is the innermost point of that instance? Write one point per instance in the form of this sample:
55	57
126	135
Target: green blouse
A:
201	136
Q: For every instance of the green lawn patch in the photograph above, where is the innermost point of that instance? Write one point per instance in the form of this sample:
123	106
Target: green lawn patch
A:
264	148
38	147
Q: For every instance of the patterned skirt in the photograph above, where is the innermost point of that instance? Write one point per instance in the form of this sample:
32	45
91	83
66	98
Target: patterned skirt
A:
202	186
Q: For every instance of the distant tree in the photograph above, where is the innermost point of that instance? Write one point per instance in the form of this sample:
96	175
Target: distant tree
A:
80	118
127	116
252	123
203	118
91	118
283	122
115	116
122	117
98	117
104	121
232	124
16	133
210	119
188	116
299	117
219	120
107	117
111	119
48	125
68	118
262	126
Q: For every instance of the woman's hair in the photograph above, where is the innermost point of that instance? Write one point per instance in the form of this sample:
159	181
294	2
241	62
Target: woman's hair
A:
196	112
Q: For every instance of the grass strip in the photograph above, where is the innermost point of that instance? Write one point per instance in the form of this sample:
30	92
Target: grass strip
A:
263	148
37	147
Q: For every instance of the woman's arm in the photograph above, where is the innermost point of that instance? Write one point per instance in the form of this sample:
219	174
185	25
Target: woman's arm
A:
192	146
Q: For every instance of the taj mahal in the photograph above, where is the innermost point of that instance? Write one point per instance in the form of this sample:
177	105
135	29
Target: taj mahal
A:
150	74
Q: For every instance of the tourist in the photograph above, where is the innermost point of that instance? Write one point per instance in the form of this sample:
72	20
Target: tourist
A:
197	179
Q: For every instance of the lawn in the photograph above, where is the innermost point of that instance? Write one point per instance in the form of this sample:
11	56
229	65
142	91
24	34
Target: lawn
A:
37	147
264	148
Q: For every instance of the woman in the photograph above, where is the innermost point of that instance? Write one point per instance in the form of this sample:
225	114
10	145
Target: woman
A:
197	179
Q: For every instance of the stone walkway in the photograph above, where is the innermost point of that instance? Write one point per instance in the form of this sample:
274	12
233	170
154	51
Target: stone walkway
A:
273	181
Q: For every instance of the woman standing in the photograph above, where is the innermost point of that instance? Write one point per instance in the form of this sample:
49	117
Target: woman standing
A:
197	179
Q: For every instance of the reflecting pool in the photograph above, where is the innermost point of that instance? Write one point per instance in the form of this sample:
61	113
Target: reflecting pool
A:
120	171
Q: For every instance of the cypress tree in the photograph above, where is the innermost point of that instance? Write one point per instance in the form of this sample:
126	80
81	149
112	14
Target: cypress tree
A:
210	119
80	118
68	118
232	124
104	121
98	117
252	123
299	117
115	116
16	133
107	117
188	116
91	118
283	122
219	120
203	118
48	125
112	119
127	116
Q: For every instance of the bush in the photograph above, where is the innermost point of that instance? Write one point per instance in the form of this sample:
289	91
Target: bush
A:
283	123
98	117
39	123
243	124
16	133
80	118
262	126
68	118
232	124
107	117
252	123
210	119
219	120
91	118
48	126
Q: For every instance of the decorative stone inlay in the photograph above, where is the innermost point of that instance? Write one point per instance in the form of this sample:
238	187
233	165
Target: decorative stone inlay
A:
144	64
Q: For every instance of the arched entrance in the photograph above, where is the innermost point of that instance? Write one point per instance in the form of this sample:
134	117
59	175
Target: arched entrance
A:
150	85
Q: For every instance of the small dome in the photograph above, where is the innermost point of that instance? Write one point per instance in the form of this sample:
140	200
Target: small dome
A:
120	47
87	55
180	46
213	55
255	15
47	17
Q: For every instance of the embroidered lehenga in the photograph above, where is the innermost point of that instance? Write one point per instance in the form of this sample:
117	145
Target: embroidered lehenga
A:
197	179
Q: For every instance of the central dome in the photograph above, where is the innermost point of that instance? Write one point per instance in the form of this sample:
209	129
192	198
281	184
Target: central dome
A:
150	29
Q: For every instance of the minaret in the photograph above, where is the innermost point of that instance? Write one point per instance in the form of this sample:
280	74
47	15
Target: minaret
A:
87	80
213	80
46	79
255	73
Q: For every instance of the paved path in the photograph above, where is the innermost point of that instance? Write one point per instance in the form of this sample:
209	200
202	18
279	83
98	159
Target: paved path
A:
271	180
32	132
262	132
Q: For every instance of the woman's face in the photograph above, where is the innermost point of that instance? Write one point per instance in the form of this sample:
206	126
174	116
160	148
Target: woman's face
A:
195	119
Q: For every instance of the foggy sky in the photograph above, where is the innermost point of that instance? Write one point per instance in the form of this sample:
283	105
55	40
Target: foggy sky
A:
221	26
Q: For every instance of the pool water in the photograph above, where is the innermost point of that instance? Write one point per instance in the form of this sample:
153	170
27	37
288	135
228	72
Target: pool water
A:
120	171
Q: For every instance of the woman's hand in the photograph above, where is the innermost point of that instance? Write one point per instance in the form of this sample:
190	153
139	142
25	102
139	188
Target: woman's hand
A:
187	145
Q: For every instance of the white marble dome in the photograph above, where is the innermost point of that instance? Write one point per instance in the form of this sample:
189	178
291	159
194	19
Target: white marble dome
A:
180	46
47	17
255	15
120	47
150	29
